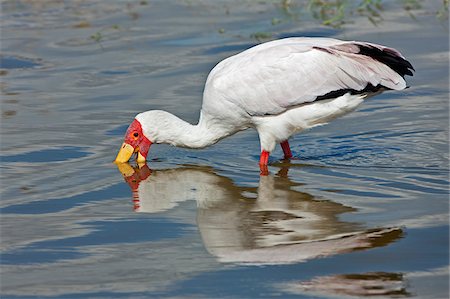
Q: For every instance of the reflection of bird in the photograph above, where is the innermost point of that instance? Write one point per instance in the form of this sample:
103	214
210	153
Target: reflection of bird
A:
379	284
270	224
279	88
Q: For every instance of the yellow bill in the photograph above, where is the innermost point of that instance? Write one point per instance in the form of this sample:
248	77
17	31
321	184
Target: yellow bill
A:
140	158
125	153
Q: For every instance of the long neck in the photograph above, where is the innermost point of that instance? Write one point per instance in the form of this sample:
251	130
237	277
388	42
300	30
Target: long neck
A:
181	133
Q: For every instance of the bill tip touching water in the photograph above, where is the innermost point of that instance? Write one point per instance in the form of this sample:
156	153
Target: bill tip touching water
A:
279	88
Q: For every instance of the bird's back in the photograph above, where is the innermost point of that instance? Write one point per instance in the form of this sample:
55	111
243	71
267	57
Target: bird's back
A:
273	77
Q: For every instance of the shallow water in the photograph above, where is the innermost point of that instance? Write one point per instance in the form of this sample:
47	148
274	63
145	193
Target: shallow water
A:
362	209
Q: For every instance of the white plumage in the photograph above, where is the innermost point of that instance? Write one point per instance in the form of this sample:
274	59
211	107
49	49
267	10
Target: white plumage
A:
272	77
281	88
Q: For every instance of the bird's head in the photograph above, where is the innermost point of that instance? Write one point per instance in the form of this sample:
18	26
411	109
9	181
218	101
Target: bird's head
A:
154	126
135	141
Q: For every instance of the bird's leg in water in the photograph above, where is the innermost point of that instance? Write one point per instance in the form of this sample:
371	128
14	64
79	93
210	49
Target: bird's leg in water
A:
286	149
263	161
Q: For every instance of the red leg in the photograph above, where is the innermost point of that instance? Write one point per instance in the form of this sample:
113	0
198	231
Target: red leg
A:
286	149
263	161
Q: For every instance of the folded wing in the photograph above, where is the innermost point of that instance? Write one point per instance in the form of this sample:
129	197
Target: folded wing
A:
270	78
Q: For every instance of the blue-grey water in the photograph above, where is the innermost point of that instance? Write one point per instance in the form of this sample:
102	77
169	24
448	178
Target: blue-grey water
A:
361	211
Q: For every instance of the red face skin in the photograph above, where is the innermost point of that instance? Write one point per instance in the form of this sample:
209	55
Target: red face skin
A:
136	138
139	175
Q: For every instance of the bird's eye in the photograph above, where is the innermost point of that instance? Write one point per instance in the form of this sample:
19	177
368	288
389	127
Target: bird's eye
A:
136	134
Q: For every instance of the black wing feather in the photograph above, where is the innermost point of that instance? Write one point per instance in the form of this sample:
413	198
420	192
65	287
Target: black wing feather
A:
386	56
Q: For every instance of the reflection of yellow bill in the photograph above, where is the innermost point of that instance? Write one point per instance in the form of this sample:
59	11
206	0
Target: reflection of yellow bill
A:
125	169
125	153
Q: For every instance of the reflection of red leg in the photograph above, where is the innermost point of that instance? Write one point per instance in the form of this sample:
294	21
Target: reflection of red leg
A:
263	161
286	149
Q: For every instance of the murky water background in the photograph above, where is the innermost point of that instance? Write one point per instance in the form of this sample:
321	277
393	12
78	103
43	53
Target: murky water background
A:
361	211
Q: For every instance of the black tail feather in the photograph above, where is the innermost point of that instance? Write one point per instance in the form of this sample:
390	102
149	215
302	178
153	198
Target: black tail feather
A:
388	57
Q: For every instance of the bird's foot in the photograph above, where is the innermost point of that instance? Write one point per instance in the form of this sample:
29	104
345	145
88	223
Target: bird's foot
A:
264	170
286	150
